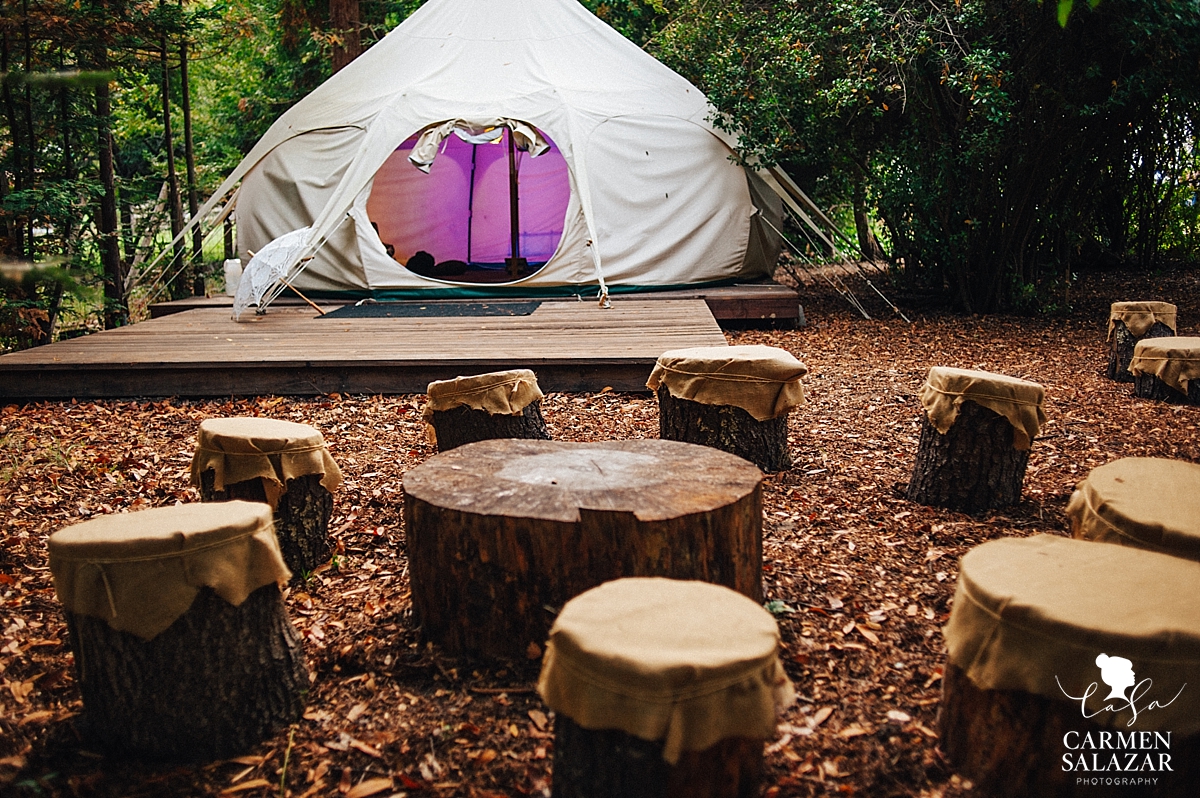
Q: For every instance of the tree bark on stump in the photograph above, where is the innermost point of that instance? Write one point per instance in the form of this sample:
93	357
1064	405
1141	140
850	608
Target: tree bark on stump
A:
212	685
608	763
301	517
1147	386
500	534
461	425
725	427
1120	352
1011	744
973	467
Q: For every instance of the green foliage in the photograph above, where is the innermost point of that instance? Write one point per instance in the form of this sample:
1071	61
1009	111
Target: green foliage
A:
996	144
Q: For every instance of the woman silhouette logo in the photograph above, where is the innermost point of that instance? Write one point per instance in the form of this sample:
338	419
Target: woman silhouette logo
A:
1117	673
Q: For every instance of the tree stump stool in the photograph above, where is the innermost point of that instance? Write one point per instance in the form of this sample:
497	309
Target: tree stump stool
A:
662	687
1167	369
732	398
183	648
281	463
1066	672
1130	322
500	534
1145	502
975	437
503	404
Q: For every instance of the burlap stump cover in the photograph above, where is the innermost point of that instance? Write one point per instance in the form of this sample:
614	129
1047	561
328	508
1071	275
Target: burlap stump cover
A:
1019	401
241	449
762	380
1031	613
498	393
141	571
1175	361
1139	317
685	662
1148	502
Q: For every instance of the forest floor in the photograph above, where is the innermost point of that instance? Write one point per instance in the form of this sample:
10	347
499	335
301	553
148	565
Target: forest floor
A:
866	576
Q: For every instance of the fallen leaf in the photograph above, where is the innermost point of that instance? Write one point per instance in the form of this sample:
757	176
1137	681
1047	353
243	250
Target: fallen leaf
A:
356	711
867	633
820	717
253	784
359	745
853	730
345	782
369	787
898	716
539	719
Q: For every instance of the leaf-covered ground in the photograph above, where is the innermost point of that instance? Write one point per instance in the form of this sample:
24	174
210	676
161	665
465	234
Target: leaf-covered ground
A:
866	576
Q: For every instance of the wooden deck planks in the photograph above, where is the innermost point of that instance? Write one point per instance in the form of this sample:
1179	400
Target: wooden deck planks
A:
574	346
743	302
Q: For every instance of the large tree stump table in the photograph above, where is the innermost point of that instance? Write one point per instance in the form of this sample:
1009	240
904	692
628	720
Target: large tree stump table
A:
183	649
281	463
500	534
976	431
1167	369
732	398
1053	644
1145	502
662	687
502	404
1130	322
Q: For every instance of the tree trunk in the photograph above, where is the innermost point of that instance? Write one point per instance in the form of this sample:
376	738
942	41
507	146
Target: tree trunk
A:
215	683
608	763
116	303
343	19
725	427
973	467
1147	386
301	517
189	155
1120	353
16	226
178	286
466	425
1011	744
502	533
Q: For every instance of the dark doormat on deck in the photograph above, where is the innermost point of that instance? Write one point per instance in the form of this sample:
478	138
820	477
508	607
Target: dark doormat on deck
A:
375	310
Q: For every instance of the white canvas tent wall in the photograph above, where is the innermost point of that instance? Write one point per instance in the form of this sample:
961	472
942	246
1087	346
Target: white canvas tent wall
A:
654	200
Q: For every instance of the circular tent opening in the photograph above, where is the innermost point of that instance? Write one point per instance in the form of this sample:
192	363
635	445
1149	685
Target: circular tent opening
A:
460	213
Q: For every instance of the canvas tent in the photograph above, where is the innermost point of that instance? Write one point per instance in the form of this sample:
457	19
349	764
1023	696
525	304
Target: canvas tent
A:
635	189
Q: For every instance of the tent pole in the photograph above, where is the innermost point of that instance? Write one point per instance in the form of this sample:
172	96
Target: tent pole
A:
516	264
471	201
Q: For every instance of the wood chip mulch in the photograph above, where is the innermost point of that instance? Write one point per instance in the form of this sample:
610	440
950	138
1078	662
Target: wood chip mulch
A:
862	578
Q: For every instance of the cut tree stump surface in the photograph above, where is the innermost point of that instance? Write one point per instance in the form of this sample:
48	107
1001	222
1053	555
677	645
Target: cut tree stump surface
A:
502	533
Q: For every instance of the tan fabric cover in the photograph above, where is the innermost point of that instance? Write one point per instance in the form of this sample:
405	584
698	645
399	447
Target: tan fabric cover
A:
688	663
1139	317
1020	401
1175	361
1148	502
499	393
762	380
241	449
1028	610
141	571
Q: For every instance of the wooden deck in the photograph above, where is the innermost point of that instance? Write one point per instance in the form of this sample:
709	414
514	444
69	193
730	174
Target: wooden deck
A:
746	302
572	346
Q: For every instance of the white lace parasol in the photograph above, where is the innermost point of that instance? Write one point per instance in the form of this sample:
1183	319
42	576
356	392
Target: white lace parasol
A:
268	267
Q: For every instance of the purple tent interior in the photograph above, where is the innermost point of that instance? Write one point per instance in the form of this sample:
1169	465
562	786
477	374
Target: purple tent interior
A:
460	210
